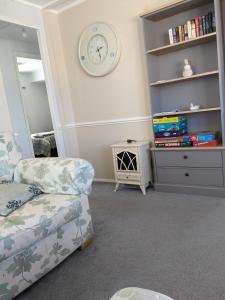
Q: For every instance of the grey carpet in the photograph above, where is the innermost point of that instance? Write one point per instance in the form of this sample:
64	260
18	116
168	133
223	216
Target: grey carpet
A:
170	243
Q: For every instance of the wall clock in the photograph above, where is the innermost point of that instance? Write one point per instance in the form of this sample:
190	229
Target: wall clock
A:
99	49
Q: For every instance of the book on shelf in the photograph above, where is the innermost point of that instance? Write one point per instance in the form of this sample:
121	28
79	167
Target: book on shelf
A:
174	144
171	36
199	139
185	32
194	28
197	26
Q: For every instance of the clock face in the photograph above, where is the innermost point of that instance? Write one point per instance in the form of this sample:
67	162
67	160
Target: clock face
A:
99	49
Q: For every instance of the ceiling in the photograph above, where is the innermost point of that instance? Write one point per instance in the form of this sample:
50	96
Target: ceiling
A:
54	5
25	34
17	32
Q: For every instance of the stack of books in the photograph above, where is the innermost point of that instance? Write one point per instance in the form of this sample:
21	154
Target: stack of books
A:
171	132
179	141
167	137
192	29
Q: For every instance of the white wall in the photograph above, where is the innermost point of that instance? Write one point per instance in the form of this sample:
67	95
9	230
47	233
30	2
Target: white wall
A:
21	14
35	100
8	66
5	122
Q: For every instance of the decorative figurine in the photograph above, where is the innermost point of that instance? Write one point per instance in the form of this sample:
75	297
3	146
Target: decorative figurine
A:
194	106
187	69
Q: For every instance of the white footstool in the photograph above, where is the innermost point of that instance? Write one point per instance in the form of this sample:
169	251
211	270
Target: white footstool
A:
138	294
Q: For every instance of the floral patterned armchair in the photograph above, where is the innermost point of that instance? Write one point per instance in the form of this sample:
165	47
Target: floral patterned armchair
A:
42	233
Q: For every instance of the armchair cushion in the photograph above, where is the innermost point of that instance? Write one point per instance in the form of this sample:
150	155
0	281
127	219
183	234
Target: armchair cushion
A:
55	175
9	156
13	195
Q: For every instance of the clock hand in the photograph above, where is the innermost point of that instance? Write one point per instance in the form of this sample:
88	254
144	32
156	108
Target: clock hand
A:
98	50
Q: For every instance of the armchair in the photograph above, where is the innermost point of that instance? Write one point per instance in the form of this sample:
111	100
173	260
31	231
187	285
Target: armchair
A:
40	234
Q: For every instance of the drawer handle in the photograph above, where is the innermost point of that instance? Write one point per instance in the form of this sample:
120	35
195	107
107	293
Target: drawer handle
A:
185	157
187	174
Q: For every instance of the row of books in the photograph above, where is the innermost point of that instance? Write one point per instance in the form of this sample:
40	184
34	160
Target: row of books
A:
204	139
194	28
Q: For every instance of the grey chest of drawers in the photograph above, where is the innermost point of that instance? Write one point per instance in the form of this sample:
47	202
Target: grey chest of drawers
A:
193	171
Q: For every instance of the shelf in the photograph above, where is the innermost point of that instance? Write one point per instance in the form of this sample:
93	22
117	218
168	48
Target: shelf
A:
173	9
183	45
188	112
179	79
187	148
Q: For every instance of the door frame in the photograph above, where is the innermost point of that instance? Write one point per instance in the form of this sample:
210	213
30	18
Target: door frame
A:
50	86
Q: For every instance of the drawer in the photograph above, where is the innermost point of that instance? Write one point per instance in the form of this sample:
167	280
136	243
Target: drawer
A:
128	177
191	158
194	176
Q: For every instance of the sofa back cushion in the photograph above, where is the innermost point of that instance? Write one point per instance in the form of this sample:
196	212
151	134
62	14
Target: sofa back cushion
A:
10	155
69	176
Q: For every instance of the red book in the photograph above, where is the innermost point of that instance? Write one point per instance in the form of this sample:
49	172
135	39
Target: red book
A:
197	26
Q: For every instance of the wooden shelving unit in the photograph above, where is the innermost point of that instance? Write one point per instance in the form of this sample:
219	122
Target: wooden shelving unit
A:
188	112
219	147
196	76
188	169
183	45
166	11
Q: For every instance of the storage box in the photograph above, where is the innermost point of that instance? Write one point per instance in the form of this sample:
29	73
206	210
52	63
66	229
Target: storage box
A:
164	120
183	138
212	143
167	134
202	137
163	127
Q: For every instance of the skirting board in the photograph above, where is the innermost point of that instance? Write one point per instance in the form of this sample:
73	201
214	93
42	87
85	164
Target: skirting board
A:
104	180
190	190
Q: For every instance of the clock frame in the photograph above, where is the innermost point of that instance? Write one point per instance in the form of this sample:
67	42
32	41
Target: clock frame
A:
111	59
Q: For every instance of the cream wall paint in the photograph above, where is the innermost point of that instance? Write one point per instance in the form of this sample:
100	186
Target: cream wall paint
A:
121	94
60	81
95	141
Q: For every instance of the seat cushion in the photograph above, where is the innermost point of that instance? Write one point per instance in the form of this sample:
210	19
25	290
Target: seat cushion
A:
36	220
13	195
9	156
138	294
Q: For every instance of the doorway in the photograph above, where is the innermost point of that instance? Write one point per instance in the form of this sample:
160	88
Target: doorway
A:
36	105
32	117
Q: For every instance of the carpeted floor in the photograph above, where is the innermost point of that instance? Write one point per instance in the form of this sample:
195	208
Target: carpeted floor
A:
170	243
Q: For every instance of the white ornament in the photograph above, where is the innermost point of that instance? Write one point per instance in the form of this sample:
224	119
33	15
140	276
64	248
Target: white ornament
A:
194	106
187	69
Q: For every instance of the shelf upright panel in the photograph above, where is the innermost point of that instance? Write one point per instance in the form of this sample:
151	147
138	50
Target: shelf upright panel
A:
220	52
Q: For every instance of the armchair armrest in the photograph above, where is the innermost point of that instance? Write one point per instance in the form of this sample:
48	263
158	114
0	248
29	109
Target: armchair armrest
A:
56	175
